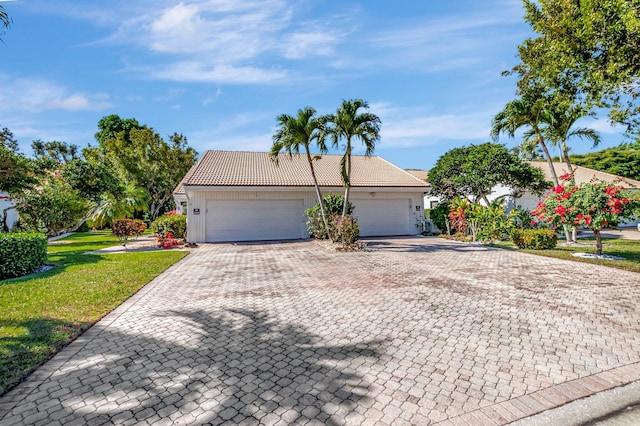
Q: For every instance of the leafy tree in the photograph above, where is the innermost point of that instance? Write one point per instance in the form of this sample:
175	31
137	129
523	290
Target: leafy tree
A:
111	126
143	157
54	152
348	124
622	160
587	50
51	207
292	133
593	205
472	171
8	140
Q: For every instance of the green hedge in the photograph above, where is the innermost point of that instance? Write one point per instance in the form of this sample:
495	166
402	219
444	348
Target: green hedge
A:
536	239
21	253
176	224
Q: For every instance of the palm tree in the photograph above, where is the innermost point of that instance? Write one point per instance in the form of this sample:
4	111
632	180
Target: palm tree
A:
348	124
5	21
118	206
525	112
559	130
302	131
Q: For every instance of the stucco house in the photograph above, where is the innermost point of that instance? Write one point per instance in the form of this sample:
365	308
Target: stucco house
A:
8	212
245	196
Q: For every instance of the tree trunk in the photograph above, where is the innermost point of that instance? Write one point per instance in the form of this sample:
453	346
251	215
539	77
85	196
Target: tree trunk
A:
348	185
574	232
319	195
596	232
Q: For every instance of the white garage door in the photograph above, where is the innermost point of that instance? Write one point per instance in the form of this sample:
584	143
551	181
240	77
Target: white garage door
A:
253	220
383	217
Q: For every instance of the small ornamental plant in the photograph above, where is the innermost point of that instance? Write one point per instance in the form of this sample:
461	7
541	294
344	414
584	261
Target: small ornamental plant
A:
593	205
167	241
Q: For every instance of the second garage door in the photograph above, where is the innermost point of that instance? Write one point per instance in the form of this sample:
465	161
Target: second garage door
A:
378	218
254	220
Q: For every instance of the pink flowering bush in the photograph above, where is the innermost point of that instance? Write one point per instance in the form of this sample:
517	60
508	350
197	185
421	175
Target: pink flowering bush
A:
594	205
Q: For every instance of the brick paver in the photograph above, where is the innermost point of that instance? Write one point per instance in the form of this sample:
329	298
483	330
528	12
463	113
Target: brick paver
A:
415	331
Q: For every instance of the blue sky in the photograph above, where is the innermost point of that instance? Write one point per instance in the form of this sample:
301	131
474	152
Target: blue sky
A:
220	71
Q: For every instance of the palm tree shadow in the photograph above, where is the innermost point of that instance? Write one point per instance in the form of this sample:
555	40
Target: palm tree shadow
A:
275	368
231	366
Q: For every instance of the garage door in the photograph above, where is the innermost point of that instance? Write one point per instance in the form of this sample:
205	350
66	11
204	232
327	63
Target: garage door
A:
383	217
253	220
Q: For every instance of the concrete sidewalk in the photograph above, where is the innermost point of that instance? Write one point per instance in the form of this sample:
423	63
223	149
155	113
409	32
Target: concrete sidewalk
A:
416	331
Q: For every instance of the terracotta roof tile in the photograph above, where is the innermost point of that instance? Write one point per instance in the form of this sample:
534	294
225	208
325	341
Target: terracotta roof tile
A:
582	174
236	168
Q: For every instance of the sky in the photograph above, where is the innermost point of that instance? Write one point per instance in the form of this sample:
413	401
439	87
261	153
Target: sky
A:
221	71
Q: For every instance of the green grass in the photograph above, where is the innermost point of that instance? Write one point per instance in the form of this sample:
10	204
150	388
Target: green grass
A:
628	249
41	313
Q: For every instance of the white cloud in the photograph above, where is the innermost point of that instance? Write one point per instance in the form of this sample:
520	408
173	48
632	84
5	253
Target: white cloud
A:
198	72
38	95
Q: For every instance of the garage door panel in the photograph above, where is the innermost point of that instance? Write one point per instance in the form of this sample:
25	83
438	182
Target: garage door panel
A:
253	220
382	217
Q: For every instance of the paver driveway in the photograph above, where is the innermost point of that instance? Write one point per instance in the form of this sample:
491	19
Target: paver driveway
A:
416	331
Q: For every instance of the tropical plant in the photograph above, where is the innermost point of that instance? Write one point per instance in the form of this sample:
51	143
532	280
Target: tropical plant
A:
560	129
529	111
317	227
5	20
292	133
594	205
120	205
348	124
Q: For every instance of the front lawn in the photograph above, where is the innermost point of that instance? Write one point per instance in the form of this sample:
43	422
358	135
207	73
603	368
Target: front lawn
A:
41	313
628	249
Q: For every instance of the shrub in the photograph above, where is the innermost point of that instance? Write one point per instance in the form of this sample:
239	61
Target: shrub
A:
346	230
167	241
127	228
21	253
535	239
439	215
333	205
174	224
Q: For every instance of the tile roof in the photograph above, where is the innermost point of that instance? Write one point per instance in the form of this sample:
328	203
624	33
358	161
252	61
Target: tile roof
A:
582	174
237	168
420	174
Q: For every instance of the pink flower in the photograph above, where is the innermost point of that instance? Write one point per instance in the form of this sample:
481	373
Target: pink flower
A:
565	176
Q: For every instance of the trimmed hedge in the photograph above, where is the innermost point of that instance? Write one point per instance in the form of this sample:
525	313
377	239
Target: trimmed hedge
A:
535	239
21	253
175	224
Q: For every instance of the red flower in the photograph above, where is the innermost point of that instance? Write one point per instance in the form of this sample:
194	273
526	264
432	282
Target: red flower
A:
565	176
558	189
533	223
613	191
587	220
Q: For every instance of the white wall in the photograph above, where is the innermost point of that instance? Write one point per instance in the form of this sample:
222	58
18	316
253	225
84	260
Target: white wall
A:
12	214
197	199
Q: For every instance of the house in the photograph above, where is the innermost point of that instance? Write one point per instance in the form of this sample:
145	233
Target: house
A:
245	196
8	212
429	201
528	200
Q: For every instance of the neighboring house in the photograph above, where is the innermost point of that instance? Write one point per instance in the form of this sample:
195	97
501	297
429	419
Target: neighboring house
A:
8	212
581	175
245	196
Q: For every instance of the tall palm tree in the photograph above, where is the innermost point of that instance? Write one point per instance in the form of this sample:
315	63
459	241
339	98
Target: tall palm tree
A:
302	131
525	112
559	130
347	124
